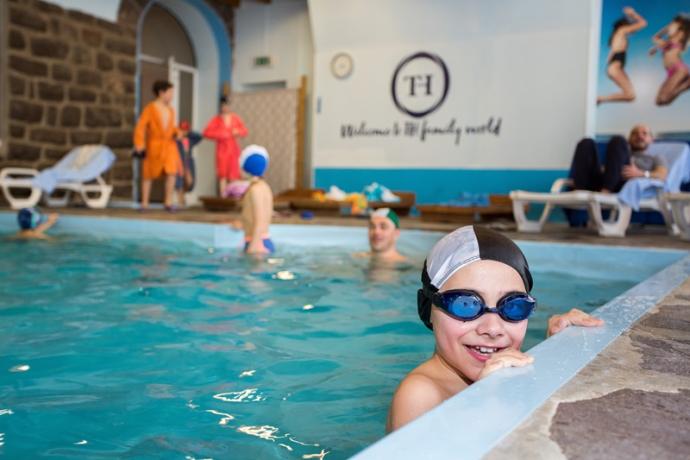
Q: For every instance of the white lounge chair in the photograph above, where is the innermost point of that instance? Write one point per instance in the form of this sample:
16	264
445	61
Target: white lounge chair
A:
677	156
680	208
76	172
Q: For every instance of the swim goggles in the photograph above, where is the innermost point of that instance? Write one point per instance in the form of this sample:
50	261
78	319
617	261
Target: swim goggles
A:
468	305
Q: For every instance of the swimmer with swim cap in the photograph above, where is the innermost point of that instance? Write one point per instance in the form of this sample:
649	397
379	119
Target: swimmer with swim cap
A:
33	224
476	298
384	231
257	202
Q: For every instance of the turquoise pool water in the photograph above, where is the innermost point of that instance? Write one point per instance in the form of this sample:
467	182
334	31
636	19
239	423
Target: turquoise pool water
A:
170	349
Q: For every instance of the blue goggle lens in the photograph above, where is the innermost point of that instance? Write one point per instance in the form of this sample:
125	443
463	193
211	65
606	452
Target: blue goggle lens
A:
467	306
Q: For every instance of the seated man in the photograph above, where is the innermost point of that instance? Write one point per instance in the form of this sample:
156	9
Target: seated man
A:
624	160
257	202
384	231
32	225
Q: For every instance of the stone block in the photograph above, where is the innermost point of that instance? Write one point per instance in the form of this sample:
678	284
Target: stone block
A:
51	116
113	27
50	92
70	116
119	139
97	117
122	172
17	132
28	66
53	155
122	191
80	17
64	29
82	56
121	46
49	47
129	86
81	95
127	67
49	136
23	17
48	8
91	37
104	62
89	78
62	72
85	137
23	152
25	111
17	86
16	40
106	99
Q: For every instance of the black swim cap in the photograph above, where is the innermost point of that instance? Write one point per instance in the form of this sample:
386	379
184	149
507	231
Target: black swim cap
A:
459	249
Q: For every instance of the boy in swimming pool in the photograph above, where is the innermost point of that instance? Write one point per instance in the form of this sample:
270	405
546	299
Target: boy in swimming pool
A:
465	272
384	231
33	225
257	202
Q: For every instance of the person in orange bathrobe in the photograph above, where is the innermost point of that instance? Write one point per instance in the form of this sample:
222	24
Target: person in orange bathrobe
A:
154	139
224	129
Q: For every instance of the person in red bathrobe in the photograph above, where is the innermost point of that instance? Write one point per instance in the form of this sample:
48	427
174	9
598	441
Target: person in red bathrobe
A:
225	128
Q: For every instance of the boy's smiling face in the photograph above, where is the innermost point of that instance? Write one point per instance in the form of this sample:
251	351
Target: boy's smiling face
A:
466	345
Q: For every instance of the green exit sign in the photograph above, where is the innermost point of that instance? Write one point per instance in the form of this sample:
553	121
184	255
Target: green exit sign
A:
262	61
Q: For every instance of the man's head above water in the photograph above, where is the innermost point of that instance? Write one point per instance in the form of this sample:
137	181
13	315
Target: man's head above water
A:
384	231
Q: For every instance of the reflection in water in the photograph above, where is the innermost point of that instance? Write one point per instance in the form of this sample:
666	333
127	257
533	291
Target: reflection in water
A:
249	373
284	275
6	412
246	395
81	443
20	368
226	417
320	455
264	431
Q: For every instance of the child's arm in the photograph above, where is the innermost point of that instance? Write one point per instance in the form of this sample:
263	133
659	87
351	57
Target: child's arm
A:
45	226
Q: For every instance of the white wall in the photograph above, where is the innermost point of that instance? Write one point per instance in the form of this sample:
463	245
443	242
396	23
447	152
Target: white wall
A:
528	62
279	30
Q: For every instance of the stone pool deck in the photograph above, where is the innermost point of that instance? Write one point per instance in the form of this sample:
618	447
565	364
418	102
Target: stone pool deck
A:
631	402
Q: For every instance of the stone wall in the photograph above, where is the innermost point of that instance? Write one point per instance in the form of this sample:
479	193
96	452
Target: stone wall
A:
70	80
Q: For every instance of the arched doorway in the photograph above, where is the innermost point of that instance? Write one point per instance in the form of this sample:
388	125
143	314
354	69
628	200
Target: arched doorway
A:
166	53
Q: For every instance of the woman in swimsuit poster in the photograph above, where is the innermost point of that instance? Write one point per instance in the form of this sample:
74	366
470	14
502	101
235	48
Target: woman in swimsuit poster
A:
672	40
630	23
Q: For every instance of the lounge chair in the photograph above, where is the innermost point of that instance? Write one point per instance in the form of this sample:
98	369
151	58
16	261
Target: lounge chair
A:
637	194
680	208
71	174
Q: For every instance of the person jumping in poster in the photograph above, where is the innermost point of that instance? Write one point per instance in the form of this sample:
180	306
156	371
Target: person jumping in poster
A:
672	40
631	22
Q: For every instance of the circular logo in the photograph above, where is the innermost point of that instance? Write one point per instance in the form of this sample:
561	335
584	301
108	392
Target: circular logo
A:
420	84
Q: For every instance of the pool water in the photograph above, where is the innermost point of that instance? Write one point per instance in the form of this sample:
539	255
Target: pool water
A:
151	348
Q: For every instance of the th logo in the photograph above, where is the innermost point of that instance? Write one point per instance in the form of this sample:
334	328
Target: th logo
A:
420	84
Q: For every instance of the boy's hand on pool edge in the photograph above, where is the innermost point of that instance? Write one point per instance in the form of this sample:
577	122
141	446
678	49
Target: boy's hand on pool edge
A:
574	317
507	358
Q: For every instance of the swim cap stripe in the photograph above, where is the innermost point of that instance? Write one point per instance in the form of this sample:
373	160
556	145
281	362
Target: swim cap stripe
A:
461	248
389	214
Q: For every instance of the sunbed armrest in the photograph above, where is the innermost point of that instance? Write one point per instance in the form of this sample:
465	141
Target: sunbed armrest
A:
15	171
561	183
